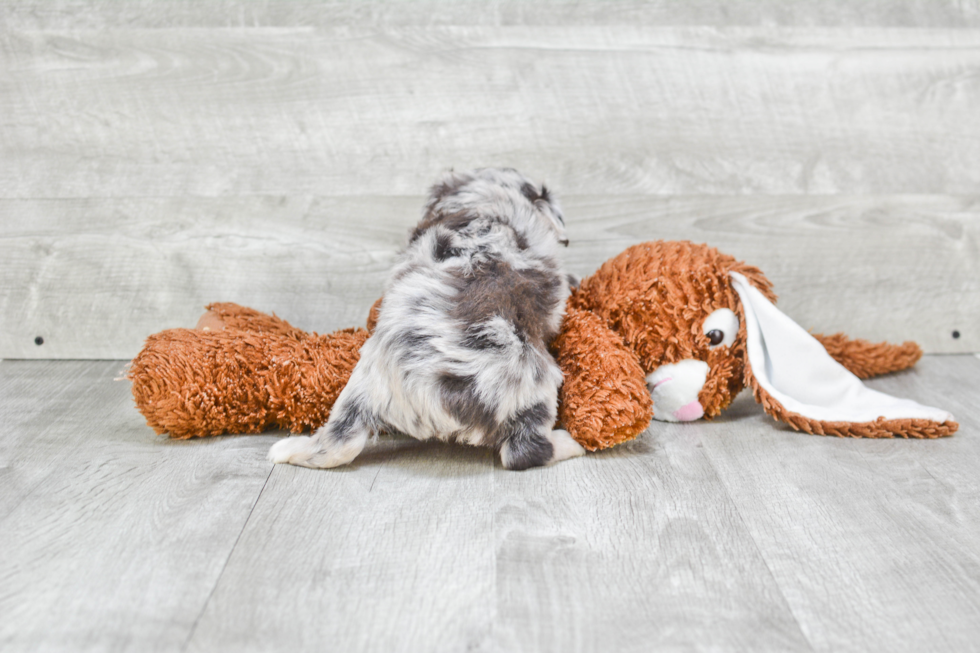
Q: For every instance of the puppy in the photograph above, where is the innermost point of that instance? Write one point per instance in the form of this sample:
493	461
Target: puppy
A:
460	349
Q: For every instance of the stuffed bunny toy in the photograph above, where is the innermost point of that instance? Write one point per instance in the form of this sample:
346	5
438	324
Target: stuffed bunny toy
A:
674	331
668	331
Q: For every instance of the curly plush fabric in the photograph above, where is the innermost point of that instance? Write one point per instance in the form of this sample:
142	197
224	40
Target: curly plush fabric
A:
243	372
652	298
646	308
604	399
867	359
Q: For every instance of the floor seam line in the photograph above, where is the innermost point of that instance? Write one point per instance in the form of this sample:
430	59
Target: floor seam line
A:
755	543
221	574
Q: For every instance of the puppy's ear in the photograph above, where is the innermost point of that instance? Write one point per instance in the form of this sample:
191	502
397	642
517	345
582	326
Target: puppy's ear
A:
450	182
799	383
373	314
545	202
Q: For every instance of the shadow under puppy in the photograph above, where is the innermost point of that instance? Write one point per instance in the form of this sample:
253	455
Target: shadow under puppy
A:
460	349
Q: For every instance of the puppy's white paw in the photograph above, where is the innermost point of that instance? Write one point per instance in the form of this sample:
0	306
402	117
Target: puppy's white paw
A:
308	451
287	449
564	445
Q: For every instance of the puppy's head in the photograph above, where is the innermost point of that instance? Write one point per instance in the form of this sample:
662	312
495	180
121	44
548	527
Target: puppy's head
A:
502	194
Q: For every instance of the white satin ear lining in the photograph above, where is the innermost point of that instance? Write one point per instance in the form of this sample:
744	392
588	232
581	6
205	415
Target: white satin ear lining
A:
796	370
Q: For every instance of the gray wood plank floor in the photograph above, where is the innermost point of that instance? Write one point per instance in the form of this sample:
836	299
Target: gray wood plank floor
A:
731	535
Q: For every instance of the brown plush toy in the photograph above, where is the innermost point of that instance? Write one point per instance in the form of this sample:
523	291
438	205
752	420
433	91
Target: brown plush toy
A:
675	330
242	371
665	330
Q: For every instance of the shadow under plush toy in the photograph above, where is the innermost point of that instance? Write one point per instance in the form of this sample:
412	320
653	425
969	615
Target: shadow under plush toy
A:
665	330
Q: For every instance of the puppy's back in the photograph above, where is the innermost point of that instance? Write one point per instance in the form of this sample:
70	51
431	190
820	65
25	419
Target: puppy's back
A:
459	350
471	307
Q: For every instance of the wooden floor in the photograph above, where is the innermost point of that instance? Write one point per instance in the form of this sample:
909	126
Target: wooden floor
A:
731	535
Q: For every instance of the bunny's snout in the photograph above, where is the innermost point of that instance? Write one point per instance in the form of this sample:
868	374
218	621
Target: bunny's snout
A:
674	389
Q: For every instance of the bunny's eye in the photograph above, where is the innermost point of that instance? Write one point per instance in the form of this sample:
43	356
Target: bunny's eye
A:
720	328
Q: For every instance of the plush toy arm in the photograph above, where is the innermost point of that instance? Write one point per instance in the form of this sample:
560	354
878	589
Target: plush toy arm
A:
867	359
604	399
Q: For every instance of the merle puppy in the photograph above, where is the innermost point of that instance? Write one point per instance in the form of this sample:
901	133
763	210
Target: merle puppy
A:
460	350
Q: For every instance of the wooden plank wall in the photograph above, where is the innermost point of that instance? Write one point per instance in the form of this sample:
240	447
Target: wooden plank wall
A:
156	156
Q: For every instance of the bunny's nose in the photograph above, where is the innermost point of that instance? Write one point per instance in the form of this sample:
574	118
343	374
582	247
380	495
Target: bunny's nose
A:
689	412
674	389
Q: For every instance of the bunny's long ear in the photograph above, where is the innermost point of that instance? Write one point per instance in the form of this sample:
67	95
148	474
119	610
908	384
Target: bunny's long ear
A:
798	382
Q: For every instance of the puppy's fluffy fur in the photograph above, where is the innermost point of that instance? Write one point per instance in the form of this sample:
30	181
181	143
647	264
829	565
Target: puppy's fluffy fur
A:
460	350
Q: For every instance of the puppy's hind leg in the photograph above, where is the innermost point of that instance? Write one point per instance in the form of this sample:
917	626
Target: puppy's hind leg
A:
530	442
336	443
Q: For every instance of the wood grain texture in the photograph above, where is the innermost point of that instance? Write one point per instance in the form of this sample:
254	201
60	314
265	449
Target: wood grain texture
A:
124	270
735	535
634	549
601	110
730	535
873	542
112	537
393	553
35	397
95	277
100	14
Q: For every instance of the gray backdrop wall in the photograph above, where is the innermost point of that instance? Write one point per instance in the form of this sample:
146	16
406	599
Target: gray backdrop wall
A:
157	156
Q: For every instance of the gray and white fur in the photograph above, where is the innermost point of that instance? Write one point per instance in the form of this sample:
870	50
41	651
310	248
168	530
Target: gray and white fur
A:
460	350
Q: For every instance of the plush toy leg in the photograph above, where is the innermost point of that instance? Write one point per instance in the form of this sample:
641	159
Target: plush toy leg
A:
867	359
604	399
190	383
